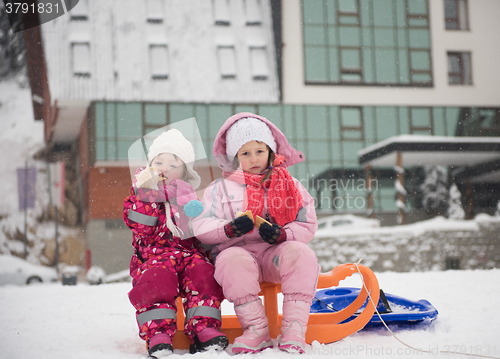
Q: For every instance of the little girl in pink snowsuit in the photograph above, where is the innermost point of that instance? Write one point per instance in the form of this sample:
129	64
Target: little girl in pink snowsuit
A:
168	261
254	154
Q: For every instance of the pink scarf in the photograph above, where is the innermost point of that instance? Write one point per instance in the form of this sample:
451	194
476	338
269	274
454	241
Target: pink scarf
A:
179	191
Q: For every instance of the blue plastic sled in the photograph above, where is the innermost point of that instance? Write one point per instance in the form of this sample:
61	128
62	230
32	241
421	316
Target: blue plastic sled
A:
394	310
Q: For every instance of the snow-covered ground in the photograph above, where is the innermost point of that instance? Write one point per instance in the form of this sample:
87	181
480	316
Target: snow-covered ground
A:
97	322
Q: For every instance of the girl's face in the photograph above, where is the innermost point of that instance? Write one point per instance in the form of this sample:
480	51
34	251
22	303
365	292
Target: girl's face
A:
253	157
169	166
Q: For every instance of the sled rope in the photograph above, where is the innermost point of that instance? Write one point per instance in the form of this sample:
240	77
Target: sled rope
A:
399	340
329	306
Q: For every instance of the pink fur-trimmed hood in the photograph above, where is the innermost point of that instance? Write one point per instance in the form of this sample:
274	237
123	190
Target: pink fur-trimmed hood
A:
292	156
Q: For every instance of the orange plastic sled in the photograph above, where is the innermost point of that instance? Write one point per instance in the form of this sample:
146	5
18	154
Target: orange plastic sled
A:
323	327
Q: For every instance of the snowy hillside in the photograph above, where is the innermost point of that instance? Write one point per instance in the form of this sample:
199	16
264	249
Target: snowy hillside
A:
20	138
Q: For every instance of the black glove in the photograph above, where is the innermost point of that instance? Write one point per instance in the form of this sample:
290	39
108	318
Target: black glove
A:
272	234
238	227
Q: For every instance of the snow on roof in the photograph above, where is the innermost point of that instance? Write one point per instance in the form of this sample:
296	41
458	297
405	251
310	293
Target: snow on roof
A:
427	139
431	150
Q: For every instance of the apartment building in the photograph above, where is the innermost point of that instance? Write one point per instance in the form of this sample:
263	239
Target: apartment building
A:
337	76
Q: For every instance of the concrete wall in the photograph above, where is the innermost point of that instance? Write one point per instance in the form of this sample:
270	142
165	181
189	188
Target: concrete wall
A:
110	242
385	218
414	250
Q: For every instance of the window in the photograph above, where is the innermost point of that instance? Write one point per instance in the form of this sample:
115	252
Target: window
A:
80	12
350	65
158	62
479	122
227	62
259	64
81	59
154	115
117	126
489	119
351	124
456	15
348	12
388	122
421	121
362	42
221	12
420	71
417	14
253	12
154	11
459	68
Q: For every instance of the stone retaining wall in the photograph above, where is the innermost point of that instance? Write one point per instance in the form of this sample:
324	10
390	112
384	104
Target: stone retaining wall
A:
431	249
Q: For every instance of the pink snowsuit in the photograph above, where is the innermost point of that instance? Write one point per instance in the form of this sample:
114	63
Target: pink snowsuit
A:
164	267
242	263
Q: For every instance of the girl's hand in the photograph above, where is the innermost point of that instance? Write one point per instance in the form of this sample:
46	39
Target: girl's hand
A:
238	226
272	233
148	178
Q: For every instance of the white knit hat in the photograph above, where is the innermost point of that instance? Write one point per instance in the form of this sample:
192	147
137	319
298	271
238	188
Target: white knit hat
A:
172	141
245	130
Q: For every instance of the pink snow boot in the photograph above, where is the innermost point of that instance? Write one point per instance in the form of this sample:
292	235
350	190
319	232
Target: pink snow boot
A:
253	320
160	346
294	326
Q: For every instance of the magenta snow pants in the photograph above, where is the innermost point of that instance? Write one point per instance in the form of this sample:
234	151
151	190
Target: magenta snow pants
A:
165	277
293	264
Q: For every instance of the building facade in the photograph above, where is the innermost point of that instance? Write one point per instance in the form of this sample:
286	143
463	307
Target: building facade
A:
335	75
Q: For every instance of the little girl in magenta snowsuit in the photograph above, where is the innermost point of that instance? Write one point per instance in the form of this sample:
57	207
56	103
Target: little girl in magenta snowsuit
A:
168	261
254	154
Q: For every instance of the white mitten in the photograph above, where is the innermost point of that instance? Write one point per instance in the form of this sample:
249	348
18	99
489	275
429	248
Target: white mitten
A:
148	178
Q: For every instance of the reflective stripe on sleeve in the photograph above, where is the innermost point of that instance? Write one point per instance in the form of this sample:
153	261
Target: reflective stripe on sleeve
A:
203	311
301	215
212	213
154	314
142	218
